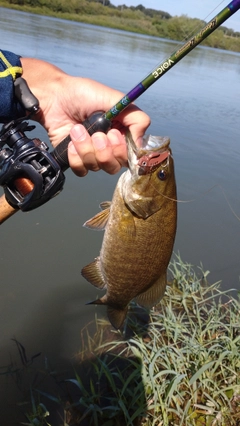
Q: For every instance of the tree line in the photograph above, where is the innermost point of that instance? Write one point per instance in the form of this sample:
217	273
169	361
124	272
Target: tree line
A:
137	19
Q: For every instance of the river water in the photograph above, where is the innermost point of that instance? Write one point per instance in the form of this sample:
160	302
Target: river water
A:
197	104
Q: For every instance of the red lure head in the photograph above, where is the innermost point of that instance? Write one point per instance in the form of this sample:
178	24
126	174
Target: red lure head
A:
150	162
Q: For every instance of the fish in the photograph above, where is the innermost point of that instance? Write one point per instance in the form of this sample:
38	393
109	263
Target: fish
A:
139	231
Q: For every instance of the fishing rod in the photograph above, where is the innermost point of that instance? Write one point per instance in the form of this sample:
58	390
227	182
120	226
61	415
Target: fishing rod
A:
103	121
43	171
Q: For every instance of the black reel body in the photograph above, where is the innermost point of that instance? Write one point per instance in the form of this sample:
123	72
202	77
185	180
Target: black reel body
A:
27	161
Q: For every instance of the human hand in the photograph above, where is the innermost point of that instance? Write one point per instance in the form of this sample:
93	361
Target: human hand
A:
66	101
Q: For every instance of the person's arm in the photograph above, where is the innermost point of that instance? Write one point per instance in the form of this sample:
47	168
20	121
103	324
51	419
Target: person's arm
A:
65	102
10	69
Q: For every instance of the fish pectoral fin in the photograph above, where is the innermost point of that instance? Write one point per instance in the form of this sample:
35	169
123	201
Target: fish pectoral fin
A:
99	221
92	273
128	226
116	316
153	294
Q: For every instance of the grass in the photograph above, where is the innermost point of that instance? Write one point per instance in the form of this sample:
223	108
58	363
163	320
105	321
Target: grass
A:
175	365
189	358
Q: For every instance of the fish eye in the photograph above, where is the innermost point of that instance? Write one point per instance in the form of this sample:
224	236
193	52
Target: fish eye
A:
162	175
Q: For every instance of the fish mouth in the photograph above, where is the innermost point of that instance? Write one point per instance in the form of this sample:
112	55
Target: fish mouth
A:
153	152
147	158
153	143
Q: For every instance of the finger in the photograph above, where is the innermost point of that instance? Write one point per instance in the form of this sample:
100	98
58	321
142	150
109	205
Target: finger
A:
119	146
75	162
104	153
134	119
103	98
81	151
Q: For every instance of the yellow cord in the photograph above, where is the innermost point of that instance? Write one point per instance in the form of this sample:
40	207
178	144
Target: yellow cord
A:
10	70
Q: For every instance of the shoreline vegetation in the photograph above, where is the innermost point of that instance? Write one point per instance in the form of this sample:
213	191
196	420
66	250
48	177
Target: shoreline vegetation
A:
176	364
134	19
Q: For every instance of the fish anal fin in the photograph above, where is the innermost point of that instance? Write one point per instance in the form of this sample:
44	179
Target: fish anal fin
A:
99	221
116	316
101	301
92	273
153	294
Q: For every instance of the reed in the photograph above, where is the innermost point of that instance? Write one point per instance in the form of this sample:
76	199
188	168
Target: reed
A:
183	365
176	364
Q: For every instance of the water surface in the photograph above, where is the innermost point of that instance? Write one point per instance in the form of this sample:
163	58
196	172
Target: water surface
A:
43	296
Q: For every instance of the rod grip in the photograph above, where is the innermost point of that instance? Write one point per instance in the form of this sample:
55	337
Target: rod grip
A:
5	209
60	153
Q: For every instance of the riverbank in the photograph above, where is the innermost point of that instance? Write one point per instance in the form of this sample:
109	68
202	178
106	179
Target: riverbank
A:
174	28
175	364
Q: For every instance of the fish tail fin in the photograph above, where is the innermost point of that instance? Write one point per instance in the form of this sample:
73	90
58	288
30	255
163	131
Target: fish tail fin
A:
117	316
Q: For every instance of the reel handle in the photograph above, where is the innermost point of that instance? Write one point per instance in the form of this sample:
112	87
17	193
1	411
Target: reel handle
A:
25	96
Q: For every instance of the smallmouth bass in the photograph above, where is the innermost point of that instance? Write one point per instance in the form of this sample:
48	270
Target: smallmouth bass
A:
140	226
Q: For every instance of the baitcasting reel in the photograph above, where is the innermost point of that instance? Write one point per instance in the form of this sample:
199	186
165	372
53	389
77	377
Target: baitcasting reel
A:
29	174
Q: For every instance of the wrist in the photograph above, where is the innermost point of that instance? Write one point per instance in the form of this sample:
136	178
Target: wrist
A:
43	79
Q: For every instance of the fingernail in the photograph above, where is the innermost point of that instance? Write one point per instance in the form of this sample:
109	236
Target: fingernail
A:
99	142
72	149
78	133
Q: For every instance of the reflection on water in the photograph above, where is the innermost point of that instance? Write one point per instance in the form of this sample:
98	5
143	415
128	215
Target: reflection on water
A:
43	296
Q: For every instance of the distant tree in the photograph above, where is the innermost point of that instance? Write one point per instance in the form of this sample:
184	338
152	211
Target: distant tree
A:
152	12
104	2
140	7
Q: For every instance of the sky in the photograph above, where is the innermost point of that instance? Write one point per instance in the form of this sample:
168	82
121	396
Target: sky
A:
202	9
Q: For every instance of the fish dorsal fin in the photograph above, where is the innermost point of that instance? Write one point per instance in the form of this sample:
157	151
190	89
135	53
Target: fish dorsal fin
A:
153	294
99	221
116	316
92	273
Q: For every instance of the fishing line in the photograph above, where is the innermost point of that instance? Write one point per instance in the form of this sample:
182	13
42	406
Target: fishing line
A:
195	29
198	198
102	121
228	202
214	9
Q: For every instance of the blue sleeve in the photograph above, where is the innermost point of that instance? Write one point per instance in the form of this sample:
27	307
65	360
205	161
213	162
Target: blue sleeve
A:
10	69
